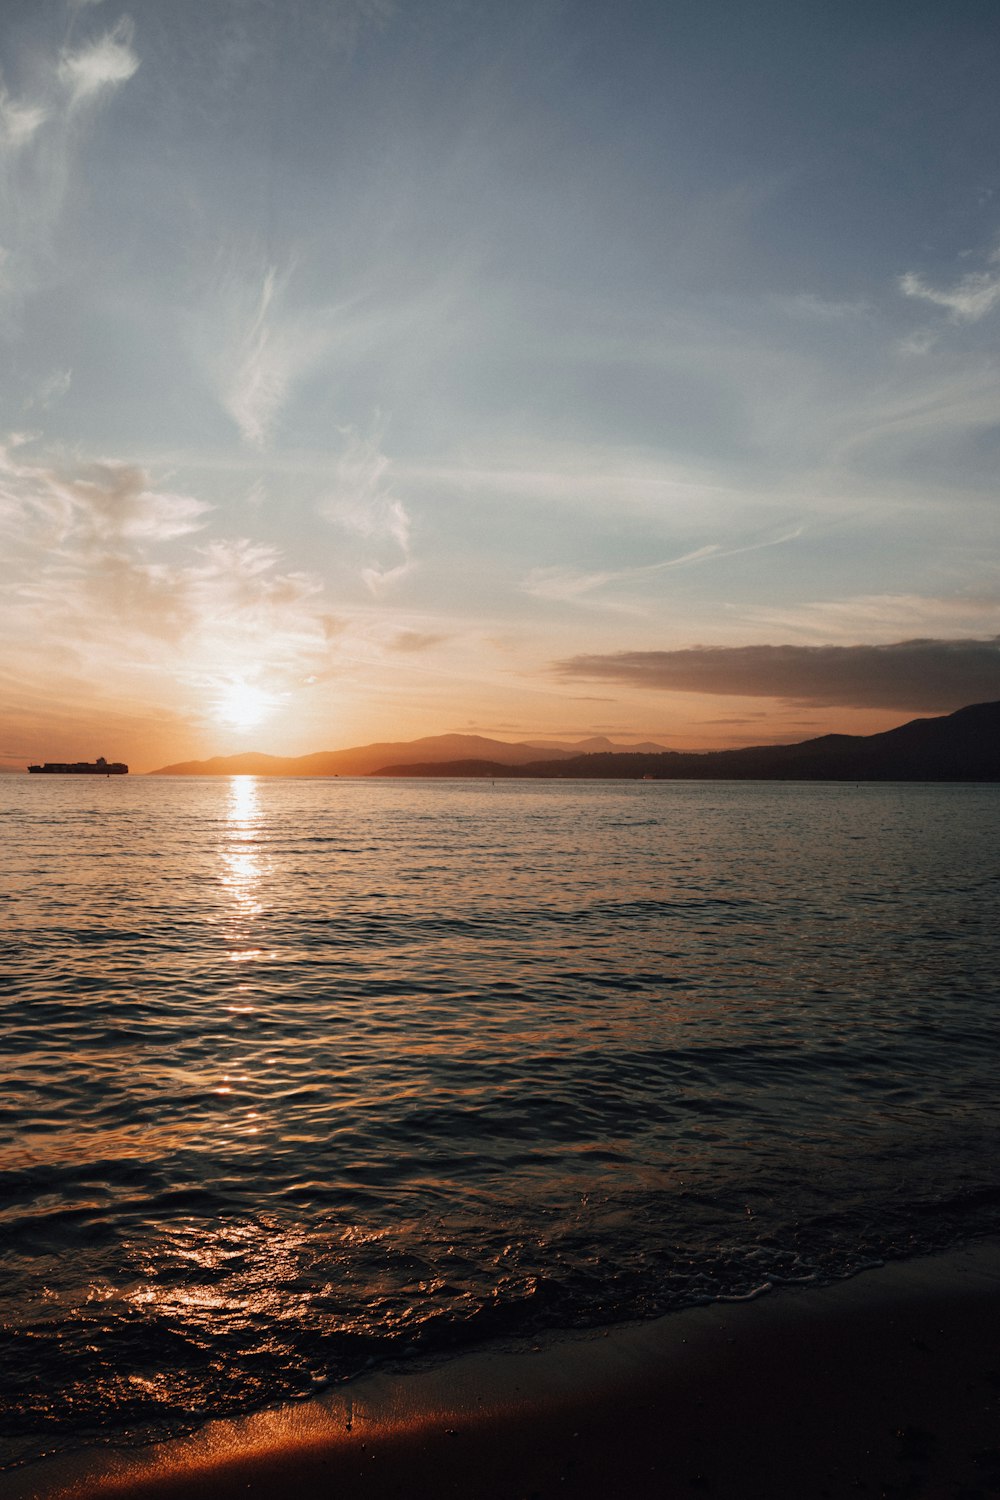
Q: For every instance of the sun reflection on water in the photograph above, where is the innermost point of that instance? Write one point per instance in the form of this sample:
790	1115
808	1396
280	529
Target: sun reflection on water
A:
203	1275
241	853
243	873
244	868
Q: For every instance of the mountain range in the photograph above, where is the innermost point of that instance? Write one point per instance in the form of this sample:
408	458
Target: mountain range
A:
363	760
962	746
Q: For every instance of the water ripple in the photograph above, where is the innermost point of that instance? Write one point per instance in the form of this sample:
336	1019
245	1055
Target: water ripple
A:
305	1074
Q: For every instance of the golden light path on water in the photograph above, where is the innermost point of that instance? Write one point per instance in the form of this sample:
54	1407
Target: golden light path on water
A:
241	864
253	1261
241	872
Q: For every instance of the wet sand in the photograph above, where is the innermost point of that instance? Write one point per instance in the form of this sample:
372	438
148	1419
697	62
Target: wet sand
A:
887	1385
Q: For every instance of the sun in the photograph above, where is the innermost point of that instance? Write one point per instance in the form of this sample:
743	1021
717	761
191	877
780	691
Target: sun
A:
241	705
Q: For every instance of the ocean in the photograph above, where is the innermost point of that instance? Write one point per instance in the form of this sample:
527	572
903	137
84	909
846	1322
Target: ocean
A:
302	1077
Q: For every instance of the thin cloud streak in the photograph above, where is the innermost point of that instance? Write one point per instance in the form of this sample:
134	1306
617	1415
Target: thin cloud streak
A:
565	585
255	343
917	675
970	299
363	502
41	139
261	378
108	61
19	122
263	350
883	618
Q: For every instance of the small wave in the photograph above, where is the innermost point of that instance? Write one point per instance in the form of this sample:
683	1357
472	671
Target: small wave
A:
295	1093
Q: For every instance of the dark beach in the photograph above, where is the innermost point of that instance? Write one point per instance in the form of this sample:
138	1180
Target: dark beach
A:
887	1384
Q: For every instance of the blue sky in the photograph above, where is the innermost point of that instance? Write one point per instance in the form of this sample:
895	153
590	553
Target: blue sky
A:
375	369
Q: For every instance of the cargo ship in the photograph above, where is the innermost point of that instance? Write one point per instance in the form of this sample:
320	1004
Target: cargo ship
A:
98	767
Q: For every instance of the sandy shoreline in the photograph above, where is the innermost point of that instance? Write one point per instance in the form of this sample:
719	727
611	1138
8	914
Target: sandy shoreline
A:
885	1385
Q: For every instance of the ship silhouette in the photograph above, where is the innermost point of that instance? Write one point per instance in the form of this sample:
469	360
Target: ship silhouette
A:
98	767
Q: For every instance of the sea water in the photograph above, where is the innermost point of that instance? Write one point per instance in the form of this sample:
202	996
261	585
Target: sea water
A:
302	1076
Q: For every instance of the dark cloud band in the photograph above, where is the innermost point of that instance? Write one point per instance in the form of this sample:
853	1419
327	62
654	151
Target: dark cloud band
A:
921	674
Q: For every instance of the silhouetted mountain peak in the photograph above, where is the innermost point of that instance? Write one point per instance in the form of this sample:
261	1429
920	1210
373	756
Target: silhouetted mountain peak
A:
961	746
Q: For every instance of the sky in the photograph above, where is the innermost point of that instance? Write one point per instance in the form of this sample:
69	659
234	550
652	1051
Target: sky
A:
379	368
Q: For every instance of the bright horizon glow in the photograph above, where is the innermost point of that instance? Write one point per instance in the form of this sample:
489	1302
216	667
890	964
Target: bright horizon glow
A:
240	705
373	371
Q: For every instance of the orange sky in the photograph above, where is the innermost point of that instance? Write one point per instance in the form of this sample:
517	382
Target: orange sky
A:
85	726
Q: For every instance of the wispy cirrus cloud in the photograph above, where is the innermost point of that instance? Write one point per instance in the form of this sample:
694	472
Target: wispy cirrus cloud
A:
99	504
99	64
19	121
971	298
114	502
87	541
569	586
263	369
251	613
362	501
945	403
808	306
564	585
50	390
933	675
41	138
887	617
114	578
255	346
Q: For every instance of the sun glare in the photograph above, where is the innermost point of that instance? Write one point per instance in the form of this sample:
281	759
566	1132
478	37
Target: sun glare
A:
241	705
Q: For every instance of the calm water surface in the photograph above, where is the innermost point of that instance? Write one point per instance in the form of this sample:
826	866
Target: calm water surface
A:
306	1075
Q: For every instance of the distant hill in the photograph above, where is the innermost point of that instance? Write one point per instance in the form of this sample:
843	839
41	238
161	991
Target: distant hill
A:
363	759
596	743
963	746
